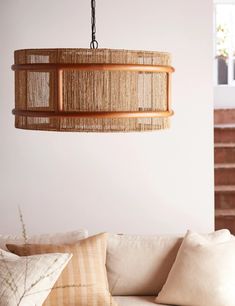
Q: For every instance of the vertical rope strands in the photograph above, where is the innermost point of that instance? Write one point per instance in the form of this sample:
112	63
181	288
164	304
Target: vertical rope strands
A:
113	97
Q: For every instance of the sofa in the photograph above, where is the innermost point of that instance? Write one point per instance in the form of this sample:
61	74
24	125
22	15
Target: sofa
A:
131	270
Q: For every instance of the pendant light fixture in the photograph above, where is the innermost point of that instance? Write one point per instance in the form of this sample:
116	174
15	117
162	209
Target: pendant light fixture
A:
92	90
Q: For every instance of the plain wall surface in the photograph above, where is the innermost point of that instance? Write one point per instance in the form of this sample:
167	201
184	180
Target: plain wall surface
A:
143	183
224	97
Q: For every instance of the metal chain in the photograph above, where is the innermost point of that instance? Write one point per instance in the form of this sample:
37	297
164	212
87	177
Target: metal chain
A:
94	43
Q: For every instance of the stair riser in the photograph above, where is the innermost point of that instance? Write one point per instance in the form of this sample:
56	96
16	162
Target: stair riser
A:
225	176
224	155
225	222
224	135
225	200
224	116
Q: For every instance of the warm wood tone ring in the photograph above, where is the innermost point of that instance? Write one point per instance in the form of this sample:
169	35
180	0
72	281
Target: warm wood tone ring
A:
92	67
136	114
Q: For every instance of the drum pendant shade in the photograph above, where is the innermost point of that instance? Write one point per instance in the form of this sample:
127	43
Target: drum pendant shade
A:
92	90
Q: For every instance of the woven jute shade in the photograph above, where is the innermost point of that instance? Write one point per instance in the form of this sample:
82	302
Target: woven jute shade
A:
92	90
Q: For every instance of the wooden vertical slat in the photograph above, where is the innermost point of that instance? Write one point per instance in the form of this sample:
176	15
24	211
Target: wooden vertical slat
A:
60	90
169	94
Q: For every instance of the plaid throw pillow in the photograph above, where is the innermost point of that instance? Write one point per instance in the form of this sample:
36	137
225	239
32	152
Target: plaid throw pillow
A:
84	281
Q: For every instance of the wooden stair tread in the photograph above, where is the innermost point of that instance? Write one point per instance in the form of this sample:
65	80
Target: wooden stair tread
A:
225	212
224	145
225	188
225	126
225	165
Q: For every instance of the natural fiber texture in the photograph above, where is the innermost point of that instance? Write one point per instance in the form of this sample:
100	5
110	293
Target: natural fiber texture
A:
28	281
84	281
92	90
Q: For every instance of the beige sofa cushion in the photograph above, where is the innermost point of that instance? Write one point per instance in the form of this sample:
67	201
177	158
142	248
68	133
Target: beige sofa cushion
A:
135	300
139	265
203	273
57	238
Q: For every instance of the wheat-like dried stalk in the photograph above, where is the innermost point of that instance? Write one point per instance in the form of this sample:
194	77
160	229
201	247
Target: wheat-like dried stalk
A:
9	280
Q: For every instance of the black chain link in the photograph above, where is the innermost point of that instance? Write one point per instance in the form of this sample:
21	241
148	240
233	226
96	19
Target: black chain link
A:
94	43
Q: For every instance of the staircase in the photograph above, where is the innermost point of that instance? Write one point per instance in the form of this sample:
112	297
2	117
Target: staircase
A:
224	139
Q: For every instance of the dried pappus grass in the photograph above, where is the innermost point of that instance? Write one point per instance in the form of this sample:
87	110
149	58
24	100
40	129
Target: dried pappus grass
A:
10	281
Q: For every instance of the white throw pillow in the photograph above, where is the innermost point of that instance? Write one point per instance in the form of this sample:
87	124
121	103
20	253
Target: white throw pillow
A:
139	265
203	273
57	238
42	273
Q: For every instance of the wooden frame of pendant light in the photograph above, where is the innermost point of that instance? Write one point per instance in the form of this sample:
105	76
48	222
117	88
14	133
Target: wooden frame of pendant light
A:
59	68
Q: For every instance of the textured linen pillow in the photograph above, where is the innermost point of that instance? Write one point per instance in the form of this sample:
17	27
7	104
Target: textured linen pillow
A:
57	238
139	265
203	273
28	281
84	281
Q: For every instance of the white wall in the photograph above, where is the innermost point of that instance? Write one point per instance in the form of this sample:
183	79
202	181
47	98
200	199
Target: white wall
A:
160	182
224	96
